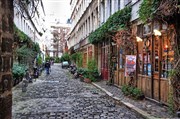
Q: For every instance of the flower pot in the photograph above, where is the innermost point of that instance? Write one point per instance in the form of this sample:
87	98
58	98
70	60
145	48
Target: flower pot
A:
87	80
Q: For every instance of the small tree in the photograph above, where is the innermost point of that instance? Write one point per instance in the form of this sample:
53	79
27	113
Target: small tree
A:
65	57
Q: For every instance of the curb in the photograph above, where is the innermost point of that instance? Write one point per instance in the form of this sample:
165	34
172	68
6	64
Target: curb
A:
130	106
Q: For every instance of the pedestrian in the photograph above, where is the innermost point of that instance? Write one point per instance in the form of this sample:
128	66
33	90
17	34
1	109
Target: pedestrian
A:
47	67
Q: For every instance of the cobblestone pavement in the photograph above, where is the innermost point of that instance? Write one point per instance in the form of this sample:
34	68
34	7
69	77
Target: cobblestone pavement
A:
58	96
150	107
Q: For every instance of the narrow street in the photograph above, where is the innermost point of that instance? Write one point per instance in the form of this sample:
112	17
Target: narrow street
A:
58	96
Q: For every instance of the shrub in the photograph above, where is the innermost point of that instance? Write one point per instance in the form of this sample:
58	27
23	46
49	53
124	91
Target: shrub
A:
137	93
18	70
65	57
39	60
47	58
92	66
57	60
132	91
92	69
82	71
125	89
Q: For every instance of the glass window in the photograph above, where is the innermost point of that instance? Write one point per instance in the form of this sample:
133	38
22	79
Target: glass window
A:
121	59
145	57
156	54
140	61
167	57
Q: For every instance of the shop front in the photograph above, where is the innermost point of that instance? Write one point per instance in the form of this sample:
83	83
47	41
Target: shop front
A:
155	60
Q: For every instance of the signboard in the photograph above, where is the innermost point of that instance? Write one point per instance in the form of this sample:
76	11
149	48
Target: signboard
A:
130	66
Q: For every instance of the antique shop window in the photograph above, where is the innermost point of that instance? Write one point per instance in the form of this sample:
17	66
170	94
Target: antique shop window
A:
167	57
140	62
156	54
121	59
146	57
140	48
156	44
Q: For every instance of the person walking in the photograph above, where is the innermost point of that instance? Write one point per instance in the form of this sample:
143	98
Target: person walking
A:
47	67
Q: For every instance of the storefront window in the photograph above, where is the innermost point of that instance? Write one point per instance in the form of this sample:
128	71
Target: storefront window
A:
121	59
144	62
167	57
156	54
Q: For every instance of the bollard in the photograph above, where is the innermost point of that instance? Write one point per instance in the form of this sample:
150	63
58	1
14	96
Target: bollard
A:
24	85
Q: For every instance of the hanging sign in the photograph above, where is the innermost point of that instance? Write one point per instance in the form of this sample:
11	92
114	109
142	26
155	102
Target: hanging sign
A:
130	66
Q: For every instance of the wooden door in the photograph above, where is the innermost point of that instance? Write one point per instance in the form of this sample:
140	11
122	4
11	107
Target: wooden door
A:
104	63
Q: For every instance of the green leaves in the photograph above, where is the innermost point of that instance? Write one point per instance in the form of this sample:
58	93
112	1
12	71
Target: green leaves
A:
36	47
77	58
21	35
147	8
24	52
118	20
18	70
65	57
132	91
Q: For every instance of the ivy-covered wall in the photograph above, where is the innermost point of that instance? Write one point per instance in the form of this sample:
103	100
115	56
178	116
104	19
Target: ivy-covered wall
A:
119	20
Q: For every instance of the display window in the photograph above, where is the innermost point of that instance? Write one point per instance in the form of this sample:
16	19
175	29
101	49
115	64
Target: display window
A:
167	57
155	53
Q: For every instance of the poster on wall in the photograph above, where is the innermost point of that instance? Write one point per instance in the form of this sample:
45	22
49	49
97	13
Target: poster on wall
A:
130	65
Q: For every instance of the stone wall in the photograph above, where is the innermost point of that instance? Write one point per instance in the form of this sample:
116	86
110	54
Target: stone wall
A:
6	60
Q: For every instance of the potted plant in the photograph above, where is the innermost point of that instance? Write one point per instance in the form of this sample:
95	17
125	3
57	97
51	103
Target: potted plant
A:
87	78
82	72
18	72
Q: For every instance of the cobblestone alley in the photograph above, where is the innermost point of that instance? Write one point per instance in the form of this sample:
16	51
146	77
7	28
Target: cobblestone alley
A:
58	96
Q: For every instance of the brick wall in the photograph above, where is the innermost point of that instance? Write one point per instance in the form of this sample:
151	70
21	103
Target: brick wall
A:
6	60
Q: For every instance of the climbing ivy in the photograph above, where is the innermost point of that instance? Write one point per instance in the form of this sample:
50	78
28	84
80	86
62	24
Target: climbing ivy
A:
22	37
147	8
118	20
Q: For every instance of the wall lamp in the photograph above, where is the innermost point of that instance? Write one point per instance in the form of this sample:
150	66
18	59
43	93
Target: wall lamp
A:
157	32
138	39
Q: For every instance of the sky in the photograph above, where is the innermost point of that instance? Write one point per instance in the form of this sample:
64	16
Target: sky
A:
57	10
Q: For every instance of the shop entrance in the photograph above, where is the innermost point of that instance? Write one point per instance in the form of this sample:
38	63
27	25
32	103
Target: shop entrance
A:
155	61
105	61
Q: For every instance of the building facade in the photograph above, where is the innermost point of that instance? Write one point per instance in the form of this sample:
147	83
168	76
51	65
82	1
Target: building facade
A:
154	53
59	40
85	19
33	27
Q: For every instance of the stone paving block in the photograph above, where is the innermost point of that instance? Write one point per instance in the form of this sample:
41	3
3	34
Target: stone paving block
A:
64	98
